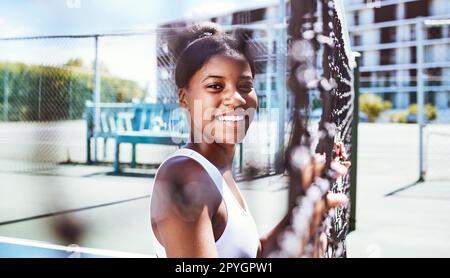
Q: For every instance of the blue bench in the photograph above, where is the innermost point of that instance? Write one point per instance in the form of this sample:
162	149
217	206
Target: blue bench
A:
136	123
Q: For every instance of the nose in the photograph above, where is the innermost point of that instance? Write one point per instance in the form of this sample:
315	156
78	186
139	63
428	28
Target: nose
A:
234	100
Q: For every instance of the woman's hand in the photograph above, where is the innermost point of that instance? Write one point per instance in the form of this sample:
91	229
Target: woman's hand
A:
314	169
340	164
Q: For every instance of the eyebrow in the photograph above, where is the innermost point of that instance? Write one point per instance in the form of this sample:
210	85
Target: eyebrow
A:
219	76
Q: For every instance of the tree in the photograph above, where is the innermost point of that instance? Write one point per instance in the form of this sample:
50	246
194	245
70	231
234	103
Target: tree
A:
76	63
372	106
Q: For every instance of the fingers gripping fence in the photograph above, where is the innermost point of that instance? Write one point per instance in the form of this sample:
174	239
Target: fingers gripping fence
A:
318	61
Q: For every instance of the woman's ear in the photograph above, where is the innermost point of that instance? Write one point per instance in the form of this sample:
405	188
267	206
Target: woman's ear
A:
183	98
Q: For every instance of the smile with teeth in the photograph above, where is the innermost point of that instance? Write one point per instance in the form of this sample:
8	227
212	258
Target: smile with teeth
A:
230	118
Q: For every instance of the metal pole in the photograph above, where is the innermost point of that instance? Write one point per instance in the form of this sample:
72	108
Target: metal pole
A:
70	98
269	70
96	100
420	94
5	94
354	147
281	86
39	96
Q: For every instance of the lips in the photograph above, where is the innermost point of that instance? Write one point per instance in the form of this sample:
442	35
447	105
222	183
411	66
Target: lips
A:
229	116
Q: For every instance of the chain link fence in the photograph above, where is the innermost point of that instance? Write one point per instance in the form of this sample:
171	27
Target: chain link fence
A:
46	83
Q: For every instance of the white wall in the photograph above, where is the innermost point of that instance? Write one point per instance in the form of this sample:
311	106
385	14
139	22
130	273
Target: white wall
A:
400	12
438	7
371	58
403	55
366	16
349	18
440	53
369	37
403	33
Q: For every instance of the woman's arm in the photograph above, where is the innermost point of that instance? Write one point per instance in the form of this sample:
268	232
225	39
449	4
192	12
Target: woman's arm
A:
184	237
182	207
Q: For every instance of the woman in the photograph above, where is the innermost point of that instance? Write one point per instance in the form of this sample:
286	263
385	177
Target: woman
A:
197	209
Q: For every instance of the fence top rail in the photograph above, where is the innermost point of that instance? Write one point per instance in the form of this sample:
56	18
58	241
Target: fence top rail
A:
91	104
255	26
83	36
141	105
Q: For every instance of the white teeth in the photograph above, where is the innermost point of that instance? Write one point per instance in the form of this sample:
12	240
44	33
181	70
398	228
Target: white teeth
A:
231	118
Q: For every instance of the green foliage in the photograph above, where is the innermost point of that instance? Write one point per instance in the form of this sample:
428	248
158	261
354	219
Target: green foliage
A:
398	117
46	93
76	63
430	111
387	105
372	106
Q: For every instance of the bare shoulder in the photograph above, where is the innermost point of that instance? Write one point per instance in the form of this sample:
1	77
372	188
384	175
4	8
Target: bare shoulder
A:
183	186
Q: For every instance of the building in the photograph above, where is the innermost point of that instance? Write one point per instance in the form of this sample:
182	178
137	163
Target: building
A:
385	33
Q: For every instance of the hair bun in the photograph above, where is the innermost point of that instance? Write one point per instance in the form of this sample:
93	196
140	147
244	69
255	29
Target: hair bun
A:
188	34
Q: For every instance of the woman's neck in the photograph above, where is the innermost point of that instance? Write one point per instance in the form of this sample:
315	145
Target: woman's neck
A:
221	155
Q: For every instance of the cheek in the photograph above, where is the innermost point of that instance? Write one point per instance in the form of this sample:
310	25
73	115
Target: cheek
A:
252	100
203	108
204	100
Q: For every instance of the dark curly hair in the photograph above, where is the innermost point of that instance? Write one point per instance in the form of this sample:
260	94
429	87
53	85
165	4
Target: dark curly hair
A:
195	44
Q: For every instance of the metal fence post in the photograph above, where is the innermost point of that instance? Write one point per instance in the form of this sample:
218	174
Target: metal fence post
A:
354	148
420	95
269	71
5	94
39	96
281	86
96	100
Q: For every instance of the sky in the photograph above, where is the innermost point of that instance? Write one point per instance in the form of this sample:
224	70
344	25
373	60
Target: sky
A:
126	57
55	17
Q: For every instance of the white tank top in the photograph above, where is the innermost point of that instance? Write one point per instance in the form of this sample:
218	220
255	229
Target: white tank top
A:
240	239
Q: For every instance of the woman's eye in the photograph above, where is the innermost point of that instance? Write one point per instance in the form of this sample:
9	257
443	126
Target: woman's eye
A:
246	87
215	86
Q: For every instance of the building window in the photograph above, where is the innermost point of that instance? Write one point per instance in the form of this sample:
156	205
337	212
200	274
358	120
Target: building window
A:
356	40
356	18
389	96
434	76
412	97
417	8
385	13
412	34
365	80
412	77
387	34
413	54
257	15
387	56
260	66
240	17
430	97
434	32
249	16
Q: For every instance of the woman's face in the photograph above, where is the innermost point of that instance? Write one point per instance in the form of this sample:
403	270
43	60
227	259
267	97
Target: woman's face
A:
221	100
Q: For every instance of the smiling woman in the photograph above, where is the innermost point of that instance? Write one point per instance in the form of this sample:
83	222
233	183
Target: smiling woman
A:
197	209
